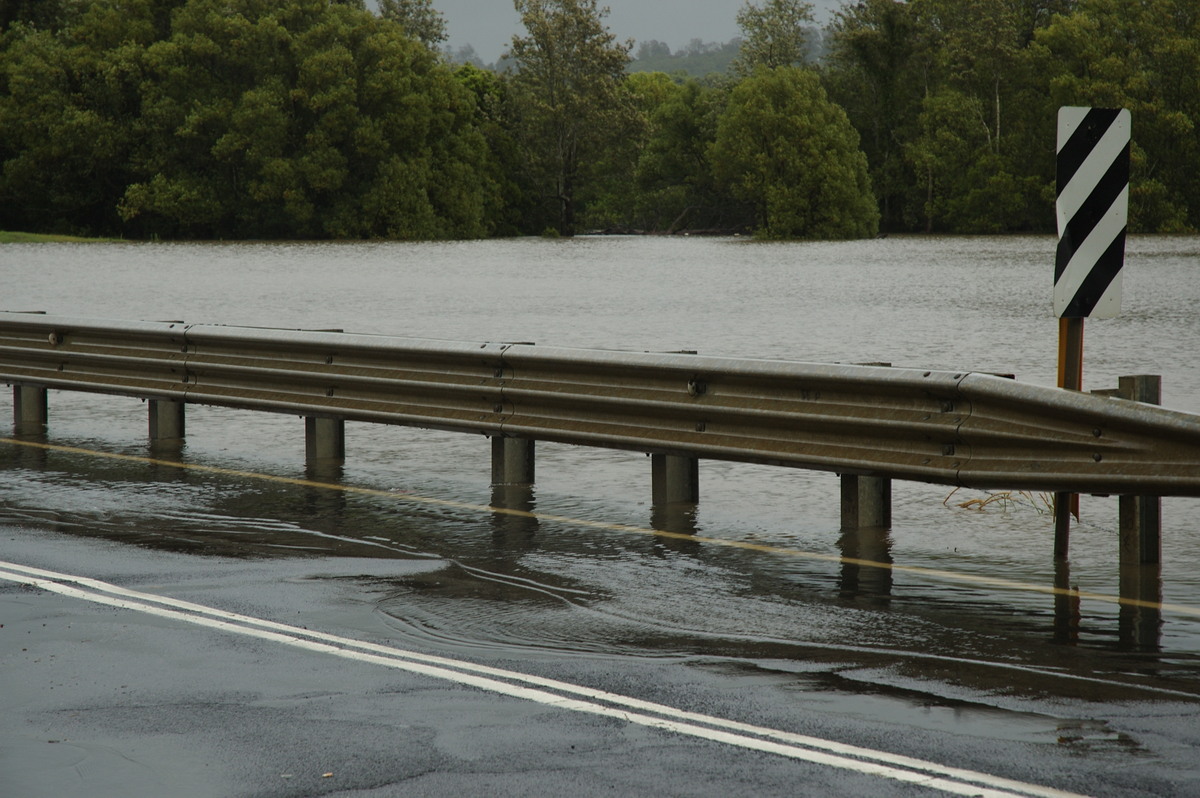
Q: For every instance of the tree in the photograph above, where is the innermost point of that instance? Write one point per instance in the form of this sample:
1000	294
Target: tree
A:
303	119
69	106
42	14
782	146
653	49
674	183
979	43
419	18
773	34
1144	57
569	96
874	72
510	205
235	119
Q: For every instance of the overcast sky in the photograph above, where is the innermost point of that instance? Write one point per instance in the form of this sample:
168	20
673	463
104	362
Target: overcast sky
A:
489	25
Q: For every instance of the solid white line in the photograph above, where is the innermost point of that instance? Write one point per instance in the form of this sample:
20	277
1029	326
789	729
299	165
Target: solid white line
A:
867	761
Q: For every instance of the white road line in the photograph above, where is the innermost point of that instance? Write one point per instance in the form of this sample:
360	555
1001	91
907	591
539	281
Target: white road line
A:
956	781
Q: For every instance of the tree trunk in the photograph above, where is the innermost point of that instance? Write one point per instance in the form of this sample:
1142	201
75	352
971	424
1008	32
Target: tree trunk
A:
566	220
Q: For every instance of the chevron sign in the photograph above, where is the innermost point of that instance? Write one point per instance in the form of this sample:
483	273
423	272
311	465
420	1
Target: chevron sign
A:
1092	209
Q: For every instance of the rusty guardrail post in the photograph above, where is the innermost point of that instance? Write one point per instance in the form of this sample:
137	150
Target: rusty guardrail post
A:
1070	376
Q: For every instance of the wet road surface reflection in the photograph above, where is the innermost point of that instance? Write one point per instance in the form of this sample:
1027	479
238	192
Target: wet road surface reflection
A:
535	584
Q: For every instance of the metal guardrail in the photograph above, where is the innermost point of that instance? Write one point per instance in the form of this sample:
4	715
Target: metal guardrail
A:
964	429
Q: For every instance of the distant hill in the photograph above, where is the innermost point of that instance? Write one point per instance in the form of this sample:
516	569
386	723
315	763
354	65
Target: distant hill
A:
697	60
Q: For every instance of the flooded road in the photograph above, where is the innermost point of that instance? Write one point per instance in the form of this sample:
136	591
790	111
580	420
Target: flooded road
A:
952	629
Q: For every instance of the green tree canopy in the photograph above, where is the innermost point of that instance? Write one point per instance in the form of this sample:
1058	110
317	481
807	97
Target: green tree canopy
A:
418	18
570	101
874	71
43	14
1144	57
676	189
774	34
782	146
952	109
69	108
240	118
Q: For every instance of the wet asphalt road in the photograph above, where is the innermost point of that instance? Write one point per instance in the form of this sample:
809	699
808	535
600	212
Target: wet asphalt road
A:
100	701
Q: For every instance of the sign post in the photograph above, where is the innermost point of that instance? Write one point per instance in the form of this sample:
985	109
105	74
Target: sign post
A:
1092	208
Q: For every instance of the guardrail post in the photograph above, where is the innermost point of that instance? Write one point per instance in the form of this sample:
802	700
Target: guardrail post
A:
866	502
324	438
31	409
675	479
166	420
512	461
1141	516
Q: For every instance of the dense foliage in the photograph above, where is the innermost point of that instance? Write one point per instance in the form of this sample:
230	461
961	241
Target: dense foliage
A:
238	118
956	104
784	148
322	119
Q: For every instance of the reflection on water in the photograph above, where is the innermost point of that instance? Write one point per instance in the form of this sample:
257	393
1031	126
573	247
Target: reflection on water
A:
1067	612
520	578
1141	617
677	517
520	581
869	581
515	530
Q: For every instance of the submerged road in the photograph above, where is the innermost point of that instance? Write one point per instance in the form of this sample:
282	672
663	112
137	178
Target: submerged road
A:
134	671
840	762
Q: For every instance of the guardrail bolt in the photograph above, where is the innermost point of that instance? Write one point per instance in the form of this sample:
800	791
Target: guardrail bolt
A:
55	338
701	426
697	388
948	450
947	407
498	409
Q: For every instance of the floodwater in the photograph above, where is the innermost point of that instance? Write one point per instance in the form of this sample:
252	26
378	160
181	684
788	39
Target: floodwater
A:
859	639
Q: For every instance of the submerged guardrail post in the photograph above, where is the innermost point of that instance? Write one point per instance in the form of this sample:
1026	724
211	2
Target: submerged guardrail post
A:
31	409
512	461
675	479
866	502
1140	621
1141	516
324	438
166	420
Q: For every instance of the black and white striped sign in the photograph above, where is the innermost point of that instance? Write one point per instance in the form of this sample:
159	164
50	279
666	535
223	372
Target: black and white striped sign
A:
1092	209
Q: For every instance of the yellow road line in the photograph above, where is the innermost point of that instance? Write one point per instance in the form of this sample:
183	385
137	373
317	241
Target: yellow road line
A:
932	573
